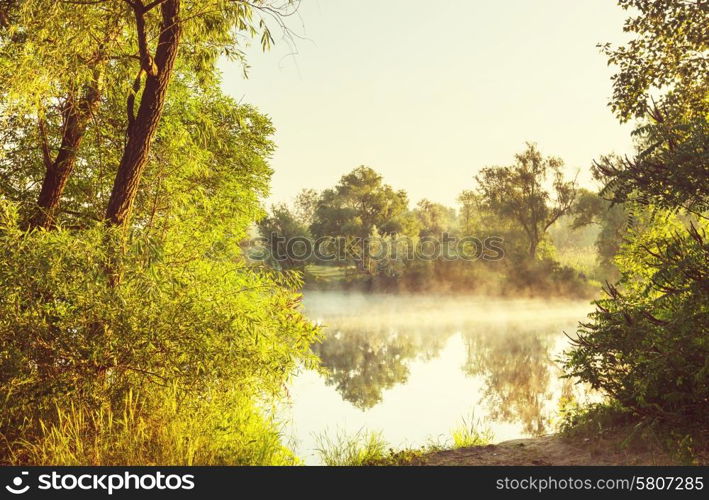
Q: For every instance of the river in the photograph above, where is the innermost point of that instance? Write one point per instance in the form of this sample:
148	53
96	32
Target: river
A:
415	367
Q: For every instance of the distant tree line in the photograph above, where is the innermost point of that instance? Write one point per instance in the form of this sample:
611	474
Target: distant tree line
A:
504	222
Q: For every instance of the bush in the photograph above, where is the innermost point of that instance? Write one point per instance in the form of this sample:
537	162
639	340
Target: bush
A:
648	344
89	317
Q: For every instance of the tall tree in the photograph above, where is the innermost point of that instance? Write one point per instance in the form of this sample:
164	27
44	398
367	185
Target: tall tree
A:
139	41
469	206
57	79
519	192
360	203
646	345
662	80
158	70
212	28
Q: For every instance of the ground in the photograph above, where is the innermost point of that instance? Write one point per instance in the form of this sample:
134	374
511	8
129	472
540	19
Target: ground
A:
553	450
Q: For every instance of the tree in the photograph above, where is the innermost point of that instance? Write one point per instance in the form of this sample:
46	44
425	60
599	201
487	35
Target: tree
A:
305	205
189	314
518	192
668	53
469	208
142	126
612	218
140	43
662	80
646	343
40	77
435	219
360	203
280	229
192	332
210	28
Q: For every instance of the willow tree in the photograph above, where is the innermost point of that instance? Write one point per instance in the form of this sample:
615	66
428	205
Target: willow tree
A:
207	29
57	80
190	330
130	47
518	192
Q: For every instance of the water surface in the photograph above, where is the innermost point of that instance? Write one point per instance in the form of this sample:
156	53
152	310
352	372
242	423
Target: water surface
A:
412	367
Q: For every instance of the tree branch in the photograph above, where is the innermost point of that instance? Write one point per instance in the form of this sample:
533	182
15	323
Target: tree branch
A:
146	60
131	99
44	144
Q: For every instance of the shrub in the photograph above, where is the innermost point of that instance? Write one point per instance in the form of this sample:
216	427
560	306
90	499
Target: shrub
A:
647	344
88	317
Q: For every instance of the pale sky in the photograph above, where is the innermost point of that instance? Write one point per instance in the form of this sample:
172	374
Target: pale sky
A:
429	92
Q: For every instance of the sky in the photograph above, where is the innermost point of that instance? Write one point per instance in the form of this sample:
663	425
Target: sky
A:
428	93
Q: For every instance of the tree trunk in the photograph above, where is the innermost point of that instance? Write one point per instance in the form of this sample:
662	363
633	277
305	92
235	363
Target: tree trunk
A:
142	127
76	120
533	249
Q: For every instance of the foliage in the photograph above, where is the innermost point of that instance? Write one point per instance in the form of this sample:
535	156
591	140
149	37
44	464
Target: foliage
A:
435	219
607	220
285	239
176	318
647	344
306	202
368	226
224	428
614	224
668	52
518	193
671	169
359	203
662	79
167	302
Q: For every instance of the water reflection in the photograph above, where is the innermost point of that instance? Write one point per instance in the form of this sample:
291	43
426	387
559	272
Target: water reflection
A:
411	367
361	363
516	368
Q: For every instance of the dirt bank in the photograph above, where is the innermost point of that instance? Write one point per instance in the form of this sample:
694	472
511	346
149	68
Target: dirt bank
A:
551	450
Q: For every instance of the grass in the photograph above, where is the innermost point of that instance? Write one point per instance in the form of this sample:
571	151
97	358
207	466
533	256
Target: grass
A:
225	430
471	433
609	424
328	273
366	448
361	448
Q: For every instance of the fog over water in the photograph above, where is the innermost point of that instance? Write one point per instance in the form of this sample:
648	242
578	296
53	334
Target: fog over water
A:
412	367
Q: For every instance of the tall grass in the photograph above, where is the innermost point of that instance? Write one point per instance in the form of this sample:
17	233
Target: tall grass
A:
471	433
365	448
361	448
217	431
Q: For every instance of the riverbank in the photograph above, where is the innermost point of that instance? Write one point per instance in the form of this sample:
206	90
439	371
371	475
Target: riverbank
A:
636	444
592	442
550	450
